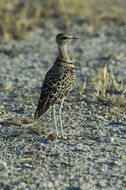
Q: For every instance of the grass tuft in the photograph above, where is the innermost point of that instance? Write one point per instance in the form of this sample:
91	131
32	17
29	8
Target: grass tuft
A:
105	83
109	91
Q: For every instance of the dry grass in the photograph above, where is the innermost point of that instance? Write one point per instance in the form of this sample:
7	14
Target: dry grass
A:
83	88
109	91
105	82
17	17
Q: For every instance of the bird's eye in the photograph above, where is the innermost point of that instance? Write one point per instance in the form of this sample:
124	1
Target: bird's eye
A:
63	38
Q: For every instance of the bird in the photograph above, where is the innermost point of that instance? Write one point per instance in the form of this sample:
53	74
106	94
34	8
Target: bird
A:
58	81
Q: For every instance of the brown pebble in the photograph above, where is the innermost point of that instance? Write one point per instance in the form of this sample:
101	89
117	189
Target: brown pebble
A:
52	137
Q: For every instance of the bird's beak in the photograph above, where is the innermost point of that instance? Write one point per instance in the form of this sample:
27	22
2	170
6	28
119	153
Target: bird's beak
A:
74	38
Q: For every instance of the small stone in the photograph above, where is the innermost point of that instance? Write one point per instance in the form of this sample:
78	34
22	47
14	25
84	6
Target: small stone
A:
3	165
52	137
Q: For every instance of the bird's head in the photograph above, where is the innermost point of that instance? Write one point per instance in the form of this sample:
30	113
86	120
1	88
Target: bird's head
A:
64	38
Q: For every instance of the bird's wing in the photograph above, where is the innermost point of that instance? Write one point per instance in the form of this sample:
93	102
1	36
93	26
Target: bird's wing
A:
50	93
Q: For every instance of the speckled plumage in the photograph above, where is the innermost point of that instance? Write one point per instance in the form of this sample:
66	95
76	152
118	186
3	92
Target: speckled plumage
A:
59	80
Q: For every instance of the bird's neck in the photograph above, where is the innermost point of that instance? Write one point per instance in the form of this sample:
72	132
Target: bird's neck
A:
63	55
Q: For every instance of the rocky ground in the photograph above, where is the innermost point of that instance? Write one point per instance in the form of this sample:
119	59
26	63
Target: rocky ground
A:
93	155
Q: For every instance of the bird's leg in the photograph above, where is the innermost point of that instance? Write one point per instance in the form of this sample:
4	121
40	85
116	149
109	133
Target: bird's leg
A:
55	121
61	125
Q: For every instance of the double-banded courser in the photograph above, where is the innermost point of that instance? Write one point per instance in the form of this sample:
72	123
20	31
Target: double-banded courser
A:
59	80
